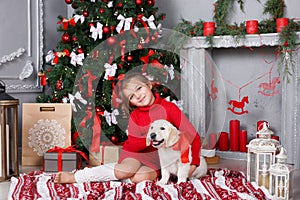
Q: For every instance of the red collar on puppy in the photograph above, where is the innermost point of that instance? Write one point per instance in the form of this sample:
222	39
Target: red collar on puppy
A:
183	146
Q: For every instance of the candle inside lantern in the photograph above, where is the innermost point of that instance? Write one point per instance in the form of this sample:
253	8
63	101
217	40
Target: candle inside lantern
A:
234	135
223	141
212	140
243	141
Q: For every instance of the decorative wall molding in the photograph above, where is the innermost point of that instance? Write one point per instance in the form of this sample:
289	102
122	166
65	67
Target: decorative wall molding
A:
12	56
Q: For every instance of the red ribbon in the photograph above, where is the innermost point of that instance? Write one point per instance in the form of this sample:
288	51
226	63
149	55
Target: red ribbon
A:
122	45
65	23
96	134
89	115
61	150
154	62
115	103
140	19
90	81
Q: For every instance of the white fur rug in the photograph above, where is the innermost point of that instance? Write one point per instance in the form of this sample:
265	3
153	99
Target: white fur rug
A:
218	184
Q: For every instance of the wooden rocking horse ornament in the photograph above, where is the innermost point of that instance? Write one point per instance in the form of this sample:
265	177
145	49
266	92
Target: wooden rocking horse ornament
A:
268	89
238	106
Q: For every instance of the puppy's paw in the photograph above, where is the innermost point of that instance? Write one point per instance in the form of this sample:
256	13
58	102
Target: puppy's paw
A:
162	182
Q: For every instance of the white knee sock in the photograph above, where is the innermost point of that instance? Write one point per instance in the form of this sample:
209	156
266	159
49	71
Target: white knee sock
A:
93	174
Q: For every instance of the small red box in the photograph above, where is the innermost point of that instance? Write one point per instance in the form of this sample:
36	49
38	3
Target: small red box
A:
70	161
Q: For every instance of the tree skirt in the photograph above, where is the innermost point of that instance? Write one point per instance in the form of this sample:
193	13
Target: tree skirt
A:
218	184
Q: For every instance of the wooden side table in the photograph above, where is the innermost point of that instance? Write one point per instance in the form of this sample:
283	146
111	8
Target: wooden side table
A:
9	165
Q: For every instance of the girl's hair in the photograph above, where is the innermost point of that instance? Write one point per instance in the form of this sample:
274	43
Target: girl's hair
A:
133	76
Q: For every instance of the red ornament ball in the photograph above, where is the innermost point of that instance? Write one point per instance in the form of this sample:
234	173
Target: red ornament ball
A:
151	2
80	50
85	13
120	4
138	2
114	139
65	38
74	6
129	58
91	24
112	28
101	10
111	41
106	29
105	1
74	38
69	1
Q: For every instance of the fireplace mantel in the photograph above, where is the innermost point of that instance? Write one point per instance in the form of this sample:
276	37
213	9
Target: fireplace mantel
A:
196	85
228	41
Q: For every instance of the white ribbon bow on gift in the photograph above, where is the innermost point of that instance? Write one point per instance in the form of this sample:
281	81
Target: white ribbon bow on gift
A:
77	59
110	70
111	117
123	20
96	32
179	103
78	97
79	17
150	21
170	71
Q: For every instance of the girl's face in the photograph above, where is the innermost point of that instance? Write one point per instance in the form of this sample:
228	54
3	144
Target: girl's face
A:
139	94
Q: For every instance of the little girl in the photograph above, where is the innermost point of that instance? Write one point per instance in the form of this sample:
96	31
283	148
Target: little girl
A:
138	162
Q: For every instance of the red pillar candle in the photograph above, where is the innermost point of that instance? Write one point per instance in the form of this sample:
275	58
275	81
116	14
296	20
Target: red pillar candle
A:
243	141
212	140
223	141
281	23
208	28
259	125
252	26
234	132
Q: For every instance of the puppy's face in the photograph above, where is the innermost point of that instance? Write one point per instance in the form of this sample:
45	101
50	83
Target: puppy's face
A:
162	134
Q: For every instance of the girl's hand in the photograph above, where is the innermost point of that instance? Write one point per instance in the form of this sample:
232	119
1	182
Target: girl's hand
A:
192	169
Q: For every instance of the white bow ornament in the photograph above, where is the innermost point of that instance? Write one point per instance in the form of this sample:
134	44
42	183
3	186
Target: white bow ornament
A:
111	117
77	59
79	17
96	32
150	21
170	71
110	70
123	21
78	97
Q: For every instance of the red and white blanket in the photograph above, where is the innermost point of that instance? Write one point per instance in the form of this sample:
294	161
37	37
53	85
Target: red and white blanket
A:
218	184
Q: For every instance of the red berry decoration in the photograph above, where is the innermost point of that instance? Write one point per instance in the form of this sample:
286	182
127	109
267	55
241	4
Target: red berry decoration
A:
85	13
80	50
106	29
101	10
69	1
111	41
59	85
65	38
138	2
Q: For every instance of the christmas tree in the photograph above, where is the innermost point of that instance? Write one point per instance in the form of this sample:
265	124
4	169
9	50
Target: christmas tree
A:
101	42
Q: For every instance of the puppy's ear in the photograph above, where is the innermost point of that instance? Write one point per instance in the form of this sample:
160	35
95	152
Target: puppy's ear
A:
148	140
173	136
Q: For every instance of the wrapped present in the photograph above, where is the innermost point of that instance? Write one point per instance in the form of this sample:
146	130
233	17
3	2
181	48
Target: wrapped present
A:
63	159
44	126
108	153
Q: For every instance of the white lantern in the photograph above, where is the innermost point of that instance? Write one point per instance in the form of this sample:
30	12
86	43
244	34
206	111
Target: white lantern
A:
260	156
279	177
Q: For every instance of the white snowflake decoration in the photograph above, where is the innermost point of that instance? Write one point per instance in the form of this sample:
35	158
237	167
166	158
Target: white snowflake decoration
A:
45	135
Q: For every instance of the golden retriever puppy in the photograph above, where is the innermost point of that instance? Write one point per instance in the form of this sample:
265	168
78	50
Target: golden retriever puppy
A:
165	137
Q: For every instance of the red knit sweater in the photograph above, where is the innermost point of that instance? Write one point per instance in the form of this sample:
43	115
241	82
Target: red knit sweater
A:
139	122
